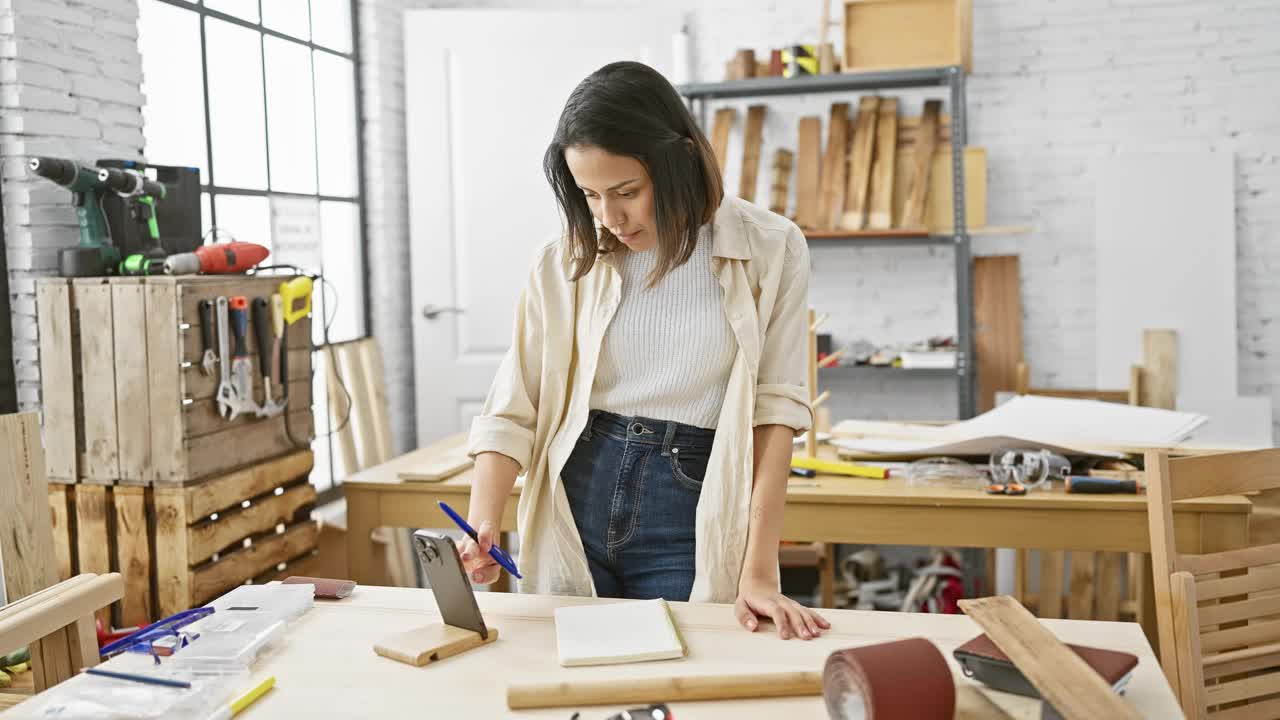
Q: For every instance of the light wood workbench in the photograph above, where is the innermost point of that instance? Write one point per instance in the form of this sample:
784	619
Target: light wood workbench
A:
325	665
840	509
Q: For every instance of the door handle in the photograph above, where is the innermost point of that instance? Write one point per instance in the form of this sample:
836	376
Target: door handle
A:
431	311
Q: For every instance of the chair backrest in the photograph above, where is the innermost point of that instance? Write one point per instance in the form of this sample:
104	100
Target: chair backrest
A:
357	394
1218	613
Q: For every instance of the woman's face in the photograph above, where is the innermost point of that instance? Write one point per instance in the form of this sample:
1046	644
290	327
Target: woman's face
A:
619	193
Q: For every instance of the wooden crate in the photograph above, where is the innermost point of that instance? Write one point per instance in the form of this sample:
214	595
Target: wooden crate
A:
179	547
125	400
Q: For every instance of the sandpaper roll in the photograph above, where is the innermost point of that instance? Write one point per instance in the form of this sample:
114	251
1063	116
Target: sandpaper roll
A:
900	680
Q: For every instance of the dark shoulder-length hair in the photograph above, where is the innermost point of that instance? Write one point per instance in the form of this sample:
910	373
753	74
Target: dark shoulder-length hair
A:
628	108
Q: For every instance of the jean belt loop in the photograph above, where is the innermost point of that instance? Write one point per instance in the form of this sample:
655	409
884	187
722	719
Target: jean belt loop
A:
669	439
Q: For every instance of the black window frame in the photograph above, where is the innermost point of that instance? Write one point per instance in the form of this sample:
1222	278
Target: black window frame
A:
208	184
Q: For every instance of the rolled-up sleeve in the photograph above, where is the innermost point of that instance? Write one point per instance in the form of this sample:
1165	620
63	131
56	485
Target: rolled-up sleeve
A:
782	393
507	421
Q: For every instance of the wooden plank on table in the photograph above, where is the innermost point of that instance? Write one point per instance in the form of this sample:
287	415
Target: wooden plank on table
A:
133	554
922	163
751	138
860	157
216	494
57	378
164	400
26	534
1160	369
997	312
1051	568
133	381
780	188
207	537
835	167
222	452
447	458
1074	689
92	301
720	128
62	516
885	154
1108	595
1083	585
93	538
939	215
808	172
232	569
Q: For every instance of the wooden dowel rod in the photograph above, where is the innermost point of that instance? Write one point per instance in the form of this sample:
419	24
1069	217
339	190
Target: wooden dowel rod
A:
814	324
668	689
831	359
821	399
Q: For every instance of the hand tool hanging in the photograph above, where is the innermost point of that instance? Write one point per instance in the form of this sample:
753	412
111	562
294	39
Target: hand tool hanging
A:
241	368
207	358
228	407
263	328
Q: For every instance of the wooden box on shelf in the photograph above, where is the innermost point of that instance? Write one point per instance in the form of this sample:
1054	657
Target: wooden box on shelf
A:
896	34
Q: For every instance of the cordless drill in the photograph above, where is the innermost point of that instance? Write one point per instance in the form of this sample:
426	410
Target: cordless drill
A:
140	193
95	255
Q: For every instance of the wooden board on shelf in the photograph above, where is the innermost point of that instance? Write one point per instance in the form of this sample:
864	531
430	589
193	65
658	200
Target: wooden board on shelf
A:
842	234
720	128
834	167
997	311
938	213
896	34
808	172
880	206
922	163
780	188
864	135
751	140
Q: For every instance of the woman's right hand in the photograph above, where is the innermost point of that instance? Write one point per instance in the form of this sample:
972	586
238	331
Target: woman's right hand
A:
476	560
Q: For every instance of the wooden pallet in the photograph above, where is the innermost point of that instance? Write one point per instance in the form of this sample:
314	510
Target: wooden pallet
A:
178	547
125	400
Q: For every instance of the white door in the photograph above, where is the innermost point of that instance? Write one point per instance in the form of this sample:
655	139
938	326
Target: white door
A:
483	91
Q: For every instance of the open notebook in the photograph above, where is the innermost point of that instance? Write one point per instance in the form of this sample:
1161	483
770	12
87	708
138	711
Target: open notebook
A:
617	633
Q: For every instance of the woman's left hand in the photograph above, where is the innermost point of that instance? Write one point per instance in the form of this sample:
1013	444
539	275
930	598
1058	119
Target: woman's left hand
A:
760	598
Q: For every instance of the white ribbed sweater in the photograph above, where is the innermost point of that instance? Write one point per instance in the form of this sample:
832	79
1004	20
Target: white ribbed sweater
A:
669	348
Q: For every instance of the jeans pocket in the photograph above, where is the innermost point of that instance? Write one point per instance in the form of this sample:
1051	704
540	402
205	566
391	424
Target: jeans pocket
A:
689	467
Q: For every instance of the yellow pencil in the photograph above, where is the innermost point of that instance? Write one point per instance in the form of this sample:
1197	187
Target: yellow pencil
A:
246	699
832	467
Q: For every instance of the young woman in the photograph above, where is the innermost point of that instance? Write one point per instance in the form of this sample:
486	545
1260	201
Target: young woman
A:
656	375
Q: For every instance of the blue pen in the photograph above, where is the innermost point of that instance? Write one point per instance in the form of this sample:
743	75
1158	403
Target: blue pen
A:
495	552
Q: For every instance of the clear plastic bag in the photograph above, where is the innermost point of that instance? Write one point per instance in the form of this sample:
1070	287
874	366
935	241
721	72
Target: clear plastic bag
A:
93	697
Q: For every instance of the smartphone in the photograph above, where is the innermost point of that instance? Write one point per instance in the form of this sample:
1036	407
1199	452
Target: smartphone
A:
448	579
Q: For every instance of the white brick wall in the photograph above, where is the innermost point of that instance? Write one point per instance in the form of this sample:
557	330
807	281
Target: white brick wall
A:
69	86
1055	84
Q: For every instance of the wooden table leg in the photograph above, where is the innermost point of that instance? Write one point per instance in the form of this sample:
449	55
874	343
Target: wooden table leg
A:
362	518
827	575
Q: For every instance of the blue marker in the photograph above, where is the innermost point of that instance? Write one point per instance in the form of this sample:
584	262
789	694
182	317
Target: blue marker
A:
498	554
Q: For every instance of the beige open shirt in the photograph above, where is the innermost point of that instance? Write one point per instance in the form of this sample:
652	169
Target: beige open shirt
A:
538	404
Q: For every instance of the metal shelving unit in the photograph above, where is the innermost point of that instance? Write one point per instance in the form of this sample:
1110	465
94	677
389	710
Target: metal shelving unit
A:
951	77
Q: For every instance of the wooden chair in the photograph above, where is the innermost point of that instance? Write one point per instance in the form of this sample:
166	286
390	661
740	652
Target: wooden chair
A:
1095	587
363	441
58	624
1218	613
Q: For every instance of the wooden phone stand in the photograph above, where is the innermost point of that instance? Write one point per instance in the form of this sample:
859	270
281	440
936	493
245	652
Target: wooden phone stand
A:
428	644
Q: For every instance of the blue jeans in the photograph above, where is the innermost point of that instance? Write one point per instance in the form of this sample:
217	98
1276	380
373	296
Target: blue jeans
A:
633	484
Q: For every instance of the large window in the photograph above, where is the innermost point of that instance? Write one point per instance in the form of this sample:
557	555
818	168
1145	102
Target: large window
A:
261	96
